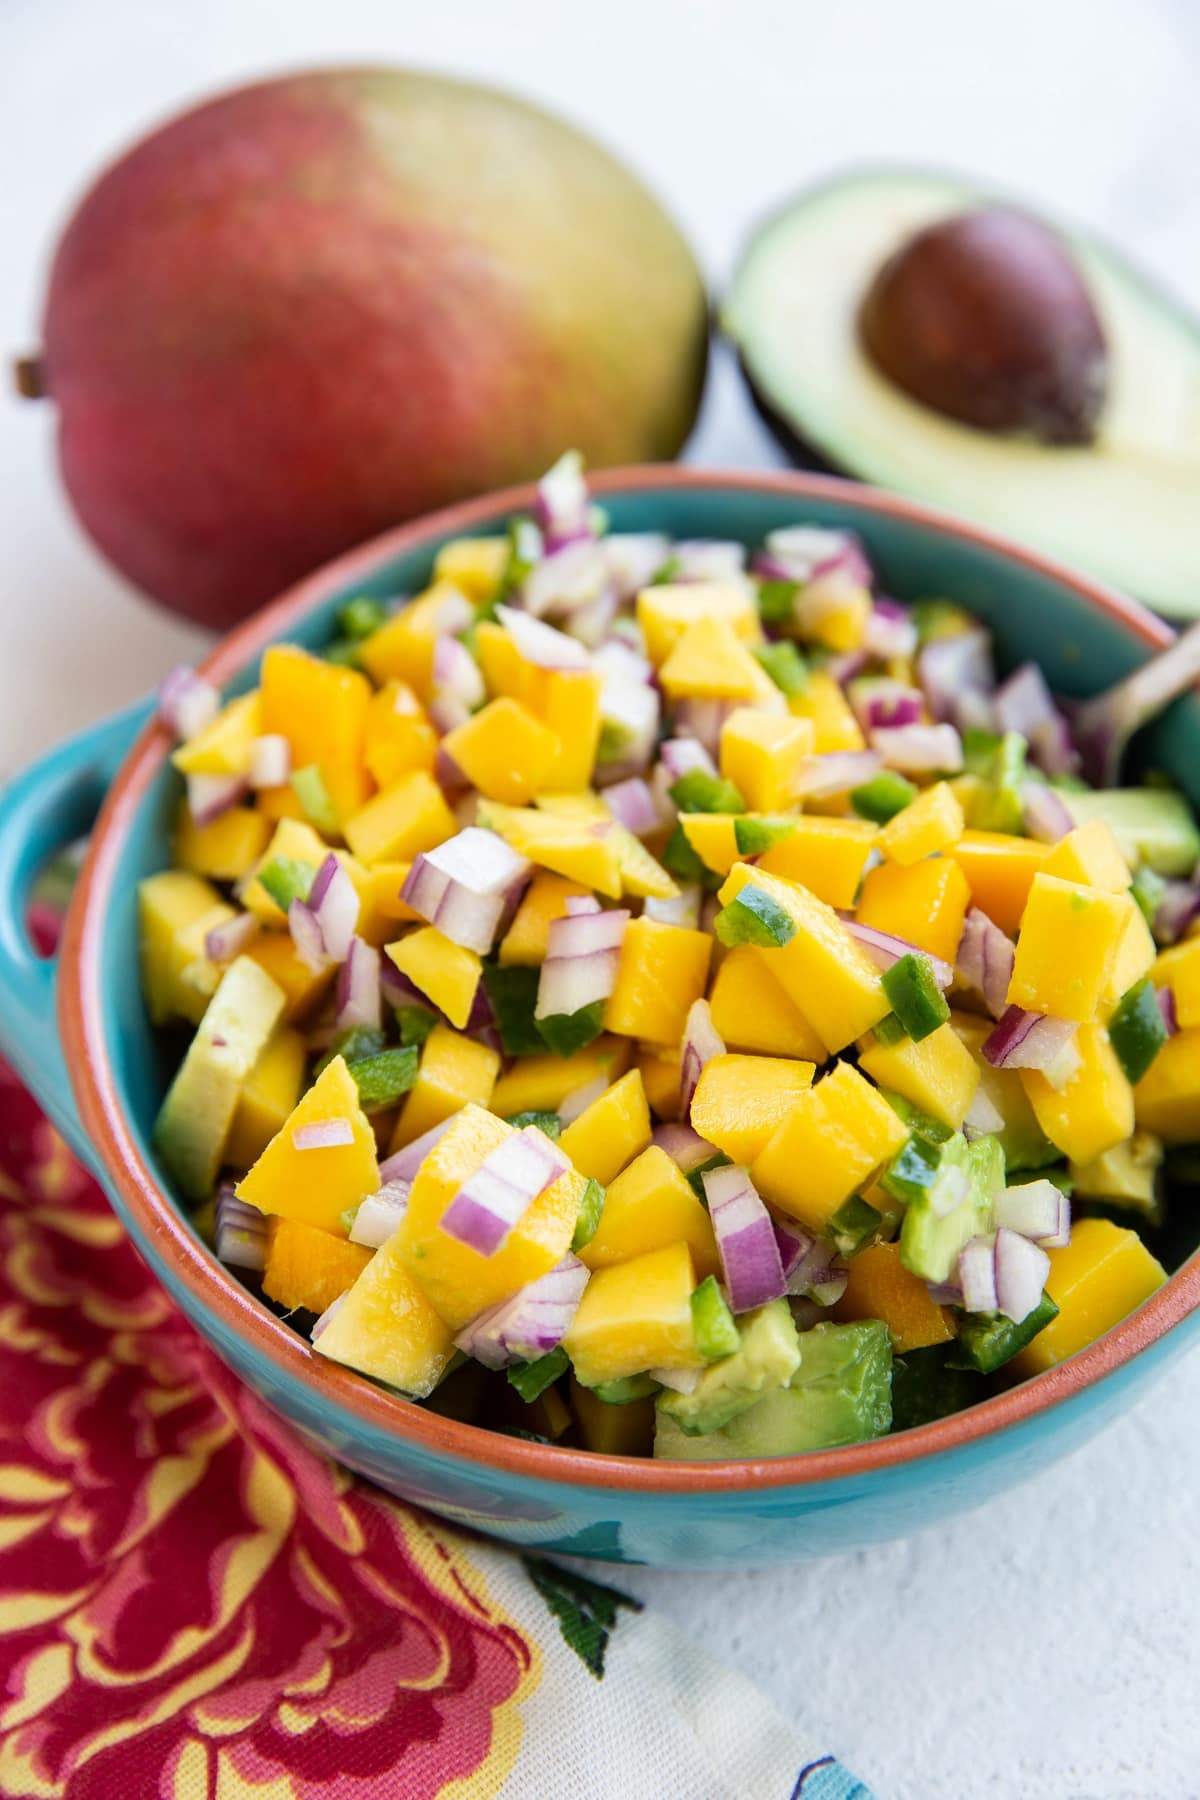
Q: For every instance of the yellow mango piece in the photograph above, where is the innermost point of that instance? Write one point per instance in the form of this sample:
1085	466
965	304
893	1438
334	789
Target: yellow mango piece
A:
276	954
821	968
445	972
398	736
504	751
880	1287
504	669
223	748
568	702
713	838
556	841
1091	856
741	1101
308	1268
1095	1281
642	875
827	856
938	1074
648	1206
710	661
633	1316
999	871
762	754
268	1096
454	1071
382	907
545	900
611	1429
176	911
932	822
751	1011
1179	969
317	1185
542	1083
321	709
1068	940
840	623
226	848
474	566
1001	1086
661	971
925	903
1094	1111
666	611
458	1280
832	1141
1134	957
659	1068
1167	1098
279	803
296	841
386	1328
401	649
401	821
611	1131
833	719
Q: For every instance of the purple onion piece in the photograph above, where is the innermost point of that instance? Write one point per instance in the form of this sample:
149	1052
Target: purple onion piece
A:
745	1238
187	703
701	1042
984	960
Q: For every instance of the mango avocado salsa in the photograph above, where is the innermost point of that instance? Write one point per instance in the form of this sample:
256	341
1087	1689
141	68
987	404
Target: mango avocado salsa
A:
683	983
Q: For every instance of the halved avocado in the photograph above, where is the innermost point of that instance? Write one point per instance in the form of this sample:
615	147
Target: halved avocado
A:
1123	507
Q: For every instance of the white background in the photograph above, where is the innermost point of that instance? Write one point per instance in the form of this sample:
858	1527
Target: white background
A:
1046	1645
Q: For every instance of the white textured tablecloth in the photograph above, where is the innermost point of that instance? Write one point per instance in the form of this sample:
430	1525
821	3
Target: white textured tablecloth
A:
1045	1646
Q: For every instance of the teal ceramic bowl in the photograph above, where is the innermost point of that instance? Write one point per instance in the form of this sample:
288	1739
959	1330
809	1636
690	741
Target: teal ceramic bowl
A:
96	1066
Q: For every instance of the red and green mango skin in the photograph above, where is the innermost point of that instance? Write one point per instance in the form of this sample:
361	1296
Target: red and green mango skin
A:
314	307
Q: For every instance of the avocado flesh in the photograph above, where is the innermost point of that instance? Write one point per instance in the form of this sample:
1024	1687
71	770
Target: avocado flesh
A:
957	1207
767	1357
840	1393
1152	825
1123	508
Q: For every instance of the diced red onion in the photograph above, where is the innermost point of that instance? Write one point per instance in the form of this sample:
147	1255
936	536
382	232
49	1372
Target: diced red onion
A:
829	1289
508	1180
919	749
241	1233
1028	1040
466	811
404	1164
270	760
634	558
464	885
680	1381
808	1265
682	909
885	950
804	551
187	703
579	906
323	1134
447	773
630	712
679	756
984	960
708	559
359	999
1104	725
660	786
228	940
1044	813
848	666
632	804
453	612
703	720
1177	911
745	1238
1062	1236
1021	1271
835	772
580	1098
323	925
540	643
983	1117
380	1214
327	1316
879	702
620	662
977	1275
945	1293
561	507
531	1322
208	796
1023	703
890	633
456	674
1166	1006
566	580
582	957
828	594
957	676
683	1145
701	1042
592	623
307	936
1030	1208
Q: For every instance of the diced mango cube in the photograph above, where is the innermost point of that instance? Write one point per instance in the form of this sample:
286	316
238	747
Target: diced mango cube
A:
827	856
1090	855
504	751
751	1011
307	1269
880	1287
542	1083
839	622
316	1183
226	848
386	1328
276	954
660	1071
223	748
924	904
1179	969
1167	1098
648	1206
176	911
938	1073
762	753
401	821
293	840
454	1071
1068	940
661	971
740	1101
610	1428
398	736
473	565
544	900
665	612
832	717
999	870
611	1131
831	1142
321	709
821	968
713	837
710	661
1095	1281
635	1315
402	648
568	702
504	669
444	971
576	848
1094	1110
382	909
1134	957
930	823
268	1096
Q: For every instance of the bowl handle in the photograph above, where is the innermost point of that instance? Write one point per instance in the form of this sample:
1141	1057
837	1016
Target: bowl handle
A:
42	810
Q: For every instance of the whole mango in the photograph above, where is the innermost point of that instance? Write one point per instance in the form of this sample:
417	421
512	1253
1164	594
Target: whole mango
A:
317	306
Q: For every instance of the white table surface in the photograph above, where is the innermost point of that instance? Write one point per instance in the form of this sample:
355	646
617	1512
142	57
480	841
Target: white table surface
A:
1045	1646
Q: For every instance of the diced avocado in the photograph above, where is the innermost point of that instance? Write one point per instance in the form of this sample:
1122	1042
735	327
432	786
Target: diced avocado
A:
195	1119
1154	825
767	1357
986	1341
955	1207
1126	1177
926	1386
713	1324
840	1393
